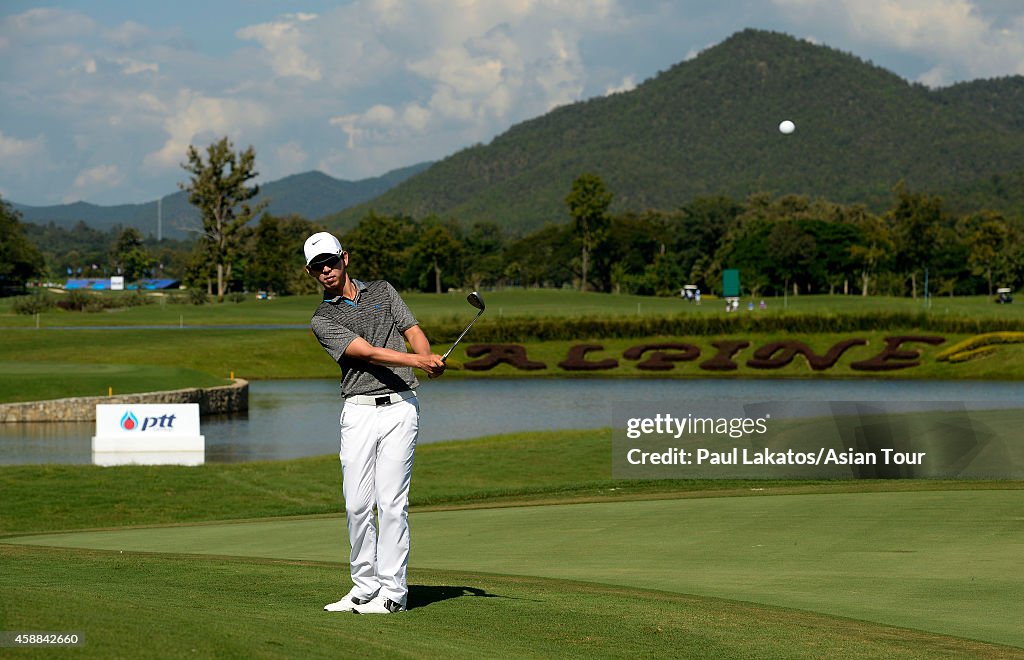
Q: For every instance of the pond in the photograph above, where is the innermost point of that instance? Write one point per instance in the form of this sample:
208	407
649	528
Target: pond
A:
296	418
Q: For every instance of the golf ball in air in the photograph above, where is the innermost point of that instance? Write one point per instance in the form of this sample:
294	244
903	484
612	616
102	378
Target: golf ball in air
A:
787	127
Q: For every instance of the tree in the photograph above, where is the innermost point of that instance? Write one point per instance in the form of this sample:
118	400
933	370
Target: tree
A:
588	204
791	252
218	189
991	247
541	258
872	250
437	250
916	220
698	234
130	255
273	257
380	246
20	260
482	257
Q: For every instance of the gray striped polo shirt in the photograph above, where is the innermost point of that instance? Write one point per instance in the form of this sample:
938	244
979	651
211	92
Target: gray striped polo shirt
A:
378	315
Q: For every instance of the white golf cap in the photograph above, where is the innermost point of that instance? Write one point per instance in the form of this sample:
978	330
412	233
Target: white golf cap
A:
321	243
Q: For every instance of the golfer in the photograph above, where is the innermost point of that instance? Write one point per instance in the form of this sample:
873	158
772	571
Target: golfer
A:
364	326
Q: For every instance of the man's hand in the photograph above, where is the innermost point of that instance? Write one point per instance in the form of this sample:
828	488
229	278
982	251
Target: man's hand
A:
432	364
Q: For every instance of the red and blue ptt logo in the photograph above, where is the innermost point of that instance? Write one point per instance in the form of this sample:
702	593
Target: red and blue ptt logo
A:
129	422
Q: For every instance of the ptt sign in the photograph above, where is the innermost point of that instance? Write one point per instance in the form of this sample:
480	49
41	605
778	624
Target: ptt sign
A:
148	433
129	422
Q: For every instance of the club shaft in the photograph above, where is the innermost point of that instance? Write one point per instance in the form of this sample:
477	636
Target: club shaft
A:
445	356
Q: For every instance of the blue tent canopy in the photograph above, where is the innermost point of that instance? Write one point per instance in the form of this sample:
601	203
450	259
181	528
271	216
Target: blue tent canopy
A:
103	283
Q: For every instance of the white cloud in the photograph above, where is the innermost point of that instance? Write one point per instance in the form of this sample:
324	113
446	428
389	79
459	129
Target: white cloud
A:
198	119
100	176
283	41
41	24
474	67
14	152
415	117
935	77
131	66
129	34
961	40
627	85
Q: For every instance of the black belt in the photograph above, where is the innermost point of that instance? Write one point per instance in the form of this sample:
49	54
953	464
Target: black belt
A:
383	400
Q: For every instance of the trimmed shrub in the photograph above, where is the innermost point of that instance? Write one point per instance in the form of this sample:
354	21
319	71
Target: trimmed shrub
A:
36	303
74	301
197	297
975	347
506	330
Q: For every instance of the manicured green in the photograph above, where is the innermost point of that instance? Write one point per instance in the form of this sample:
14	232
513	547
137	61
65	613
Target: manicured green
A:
867	556
155	604
33	381
147	606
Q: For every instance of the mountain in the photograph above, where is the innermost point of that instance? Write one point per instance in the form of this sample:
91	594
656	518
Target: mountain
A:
311	195
1001	99
708	126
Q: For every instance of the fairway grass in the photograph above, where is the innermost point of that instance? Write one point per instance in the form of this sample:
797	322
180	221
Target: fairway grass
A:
523	547
141	606
935	561
552	467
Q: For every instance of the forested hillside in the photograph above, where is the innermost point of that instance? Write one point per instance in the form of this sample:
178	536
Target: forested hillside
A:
708	126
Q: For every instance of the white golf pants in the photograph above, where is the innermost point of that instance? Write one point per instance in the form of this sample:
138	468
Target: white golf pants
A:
377	446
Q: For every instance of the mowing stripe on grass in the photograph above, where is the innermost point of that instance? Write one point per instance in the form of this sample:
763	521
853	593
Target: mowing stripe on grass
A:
160	606
945	561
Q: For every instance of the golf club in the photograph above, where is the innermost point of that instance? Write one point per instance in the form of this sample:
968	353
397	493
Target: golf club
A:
475	300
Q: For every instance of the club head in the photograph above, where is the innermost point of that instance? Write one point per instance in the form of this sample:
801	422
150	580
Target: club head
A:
475	300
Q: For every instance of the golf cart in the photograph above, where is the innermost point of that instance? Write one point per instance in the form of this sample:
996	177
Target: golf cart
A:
1003	295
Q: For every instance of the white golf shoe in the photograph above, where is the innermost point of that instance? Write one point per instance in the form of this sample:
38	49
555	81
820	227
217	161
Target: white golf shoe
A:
380	605
347	604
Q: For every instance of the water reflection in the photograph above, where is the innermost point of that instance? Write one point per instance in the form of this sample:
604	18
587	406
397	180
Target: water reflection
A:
292	419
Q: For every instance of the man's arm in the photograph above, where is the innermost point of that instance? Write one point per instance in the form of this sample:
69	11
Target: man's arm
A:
361	349
417	340
421	346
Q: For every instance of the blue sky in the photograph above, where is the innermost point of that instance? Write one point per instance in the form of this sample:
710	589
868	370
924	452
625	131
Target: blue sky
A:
99	100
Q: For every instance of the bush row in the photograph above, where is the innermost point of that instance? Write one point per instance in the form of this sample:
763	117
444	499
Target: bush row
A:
541	329
77	301
84	301
979	346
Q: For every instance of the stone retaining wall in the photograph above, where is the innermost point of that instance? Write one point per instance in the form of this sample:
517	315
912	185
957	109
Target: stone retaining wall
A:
212	401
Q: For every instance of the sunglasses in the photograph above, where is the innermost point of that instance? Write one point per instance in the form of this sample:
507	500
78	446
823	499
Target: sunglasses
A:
329	261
